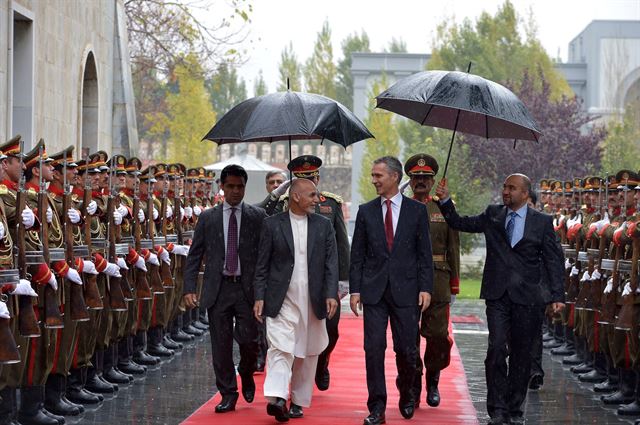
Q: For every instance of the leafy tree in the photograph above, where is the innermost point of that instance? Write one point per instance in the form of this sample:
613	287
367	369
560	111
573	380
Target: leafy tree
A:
495	48
380	123
189	99
289	68
397	45
344	84
259	86
319	70
225	89
621	148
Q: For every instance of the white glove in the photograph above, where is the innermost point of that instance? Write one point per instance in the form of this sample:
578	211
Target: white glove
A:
73	276
595	275
403	186
164	256
140	264
155	214
585	276
609	287
181	213
53	282
88	267
197	210
140	216
92	208
280	190
112	270
453	300
188	212
4	311
601	223
24	288
117	218
122	210
627	289
122	264
567	264
49	215
74	215
574	271
1	230
28	218
180	250
169	212
153	259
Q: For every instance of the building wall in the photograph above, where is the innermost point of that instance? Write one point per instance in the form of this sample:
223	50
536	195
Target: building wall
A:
44	46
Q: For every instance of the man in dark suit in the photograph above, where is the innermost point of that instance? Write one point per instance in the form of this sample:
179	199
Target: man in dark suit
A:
391	277
227	238
296	287
521	246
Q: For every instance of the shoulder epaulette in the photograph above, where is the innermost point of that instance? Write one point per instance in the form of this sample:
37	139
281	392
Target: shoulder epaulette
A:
333	196
3	189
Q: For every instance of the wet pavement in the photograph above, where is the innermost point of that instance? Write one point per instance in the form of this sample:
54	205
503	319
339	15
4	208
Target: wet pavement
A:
174	390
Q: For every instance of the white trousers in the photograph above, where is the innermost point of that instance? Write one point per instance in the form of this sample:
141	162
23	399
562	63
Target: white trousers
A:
284	369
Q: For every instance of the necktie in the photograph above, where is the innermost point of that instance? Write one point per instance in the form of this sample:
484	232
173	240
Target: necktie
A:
232	244
388	225
510	225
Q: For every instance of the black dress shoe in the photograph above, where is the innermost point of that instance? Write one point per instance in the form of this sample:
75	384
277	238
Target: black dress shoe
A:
498	421
181	336
407	409
170	343
618	398
573	360
131	368
159	350
191	330
295	411
278	410
228	403
582	368
248	388
536	382
433	394
322	379
563	350
374	419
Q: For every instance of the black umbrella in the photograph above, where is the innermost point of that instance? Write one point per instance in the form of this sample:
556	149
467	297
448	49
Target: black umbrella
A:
286	116
460	101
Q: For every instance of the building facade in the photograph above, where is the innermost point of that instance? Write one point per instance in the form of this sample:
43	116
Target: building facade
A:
65	75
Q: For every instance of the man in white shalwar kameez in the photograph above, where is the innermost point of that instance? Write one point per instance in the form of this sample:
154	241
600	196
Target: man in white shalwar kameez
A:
296	330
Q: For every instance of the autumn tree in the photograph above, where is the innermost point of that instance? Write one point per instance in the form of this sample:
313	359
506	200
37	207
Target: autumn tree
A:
320	70
621	148
225	88
289	69
259	85
344	81
397	45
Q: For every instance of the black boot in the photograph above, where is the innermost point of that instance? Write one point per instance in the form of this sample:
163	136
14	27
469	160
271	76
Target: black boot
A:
433	394
110	373
140	354
202	316
568	347
199	320
75	389
169	343
8	407
633	408
125	363
53	397
613	379
599	372
323	377
94	383
187	325
586	366
177	334
580	352
155	347
626	389
31	407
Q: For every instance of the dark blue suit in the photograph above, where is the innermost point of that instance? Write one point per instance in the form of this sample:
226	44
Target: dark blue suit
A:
389	284
515	292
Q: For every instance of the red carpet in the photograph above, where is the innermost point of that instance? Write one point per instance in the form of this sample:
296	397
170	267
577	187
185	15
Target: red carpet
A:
467	319
345	401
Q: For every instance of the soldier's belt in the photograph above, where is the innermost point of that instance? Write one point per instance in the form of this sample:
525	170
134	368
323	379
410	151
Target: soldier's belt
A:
158	240
593	253
56	254
99	243
570	253
172	238
128	240
81	251
122	248
146	243
624	266
607	264
33	257
187	234
439	257
582	256
9	277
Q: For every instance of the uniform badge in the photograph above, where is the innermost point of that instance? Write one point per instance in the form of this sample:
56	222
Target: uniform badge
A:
437	218
3	189
32	191
326	209
421	162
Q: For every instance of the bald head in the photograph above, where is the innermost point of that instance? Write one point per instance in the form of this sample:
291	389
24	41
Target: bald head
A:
303	196
516	190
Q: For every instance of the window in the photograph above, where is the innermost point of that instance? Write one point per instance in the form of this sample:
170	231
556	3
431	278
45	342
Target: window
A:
22	69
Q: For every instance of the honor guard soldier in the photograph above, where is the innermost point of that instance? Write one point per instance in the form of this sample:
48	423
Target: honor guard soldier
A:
445	243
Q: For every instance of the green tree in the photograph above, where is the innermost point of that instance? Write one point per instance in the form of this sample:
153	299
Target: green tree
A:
319	70
259	86
621	148
380	123
289	68
397	45
225	89
495	48
344	84
187	100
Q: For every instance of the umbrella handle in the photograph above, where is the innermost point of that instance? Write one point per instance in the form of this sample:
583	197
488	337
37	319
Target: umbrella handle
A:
453	136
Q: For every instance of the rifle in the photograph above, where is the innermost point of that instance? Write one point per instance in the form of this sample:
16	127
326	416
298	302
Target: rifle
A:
165	269
9	353
154	273
27	320
625	317
143	291
78	308
117	300
53	317
609	301
91	292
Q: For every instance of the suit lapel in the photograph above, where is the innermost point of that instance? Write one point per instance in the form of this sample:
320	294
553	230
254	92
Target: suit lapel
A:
218	230
380	220
501	218
244	227
311	224
285	225
401	222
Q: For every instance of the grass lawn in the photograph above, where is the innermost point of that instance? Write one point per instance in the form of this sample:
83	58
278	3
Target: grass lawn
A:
469	289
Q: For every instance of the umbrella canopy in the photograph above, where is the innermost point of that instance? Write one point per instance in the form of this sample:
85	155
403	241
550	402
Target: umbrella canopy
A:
486	109
286	116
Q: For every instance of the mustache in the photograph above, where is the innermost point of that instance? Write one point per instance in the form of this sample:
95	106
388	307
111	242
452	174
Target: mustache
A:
421	186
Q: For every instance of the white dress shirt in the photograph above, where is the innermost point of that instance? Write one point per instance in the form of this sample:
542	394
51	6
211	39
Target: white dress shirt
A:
226	214
396	203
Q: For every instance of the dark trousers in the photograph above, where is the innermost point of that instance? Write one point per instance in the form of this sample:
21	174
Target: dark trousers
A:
404	328
332	332
536	351
232	303
512	329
